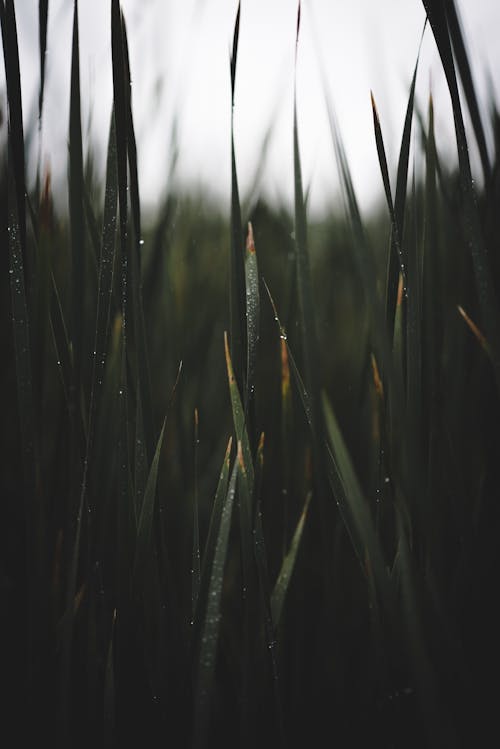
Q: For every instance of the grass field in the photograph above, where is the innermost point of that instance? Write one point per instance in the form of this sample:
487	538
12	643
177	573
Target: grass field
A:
250	463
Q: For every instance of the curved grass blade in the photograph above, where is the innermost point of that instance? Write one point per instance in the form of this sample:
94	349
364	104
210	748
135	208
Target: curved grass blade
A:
252	314
281	585
438	19
260	556
76	210
480	338
104	294
211	620
304	285
215	517
43	12
16	132
60	341
135	264
16	230
465	72
437	724
195	565
140	459
238	415
237	263
145	524
397	260
356	510
120	110
63	712
345	487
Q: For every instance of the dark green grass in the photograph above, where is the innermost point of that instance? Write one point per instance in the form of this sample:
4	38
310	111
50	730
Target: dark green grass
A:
317	561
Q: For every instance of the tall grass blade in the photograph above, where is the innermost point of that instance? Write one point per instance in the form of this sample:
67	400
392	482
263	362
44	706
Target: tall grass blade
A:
60	340
76	210
215	517
304	285
120	110
104	295
145	524
140	458
43	12
433	714
397	260
196	559
211	620
438	19
16	231
281	585
67	635
259	555
237	262
239	415
345	486
356	510
16	132
252	313
135	264
465	72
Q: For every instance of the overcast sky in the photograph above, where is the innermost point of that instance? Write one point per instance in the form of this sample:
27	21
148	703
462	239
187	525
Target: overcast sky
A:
180	68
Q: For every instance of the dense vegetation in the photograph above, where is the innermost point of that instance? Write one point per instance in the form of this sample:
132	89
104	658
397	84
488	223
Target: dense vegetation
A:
250	466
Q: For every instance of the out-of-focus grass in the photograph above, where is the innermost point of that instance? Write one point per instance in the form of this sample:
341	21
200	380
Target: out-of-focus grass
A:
336	577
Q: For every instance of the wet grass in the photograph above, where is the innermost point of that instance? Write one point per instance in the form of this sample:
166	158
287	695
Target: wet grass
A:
314	556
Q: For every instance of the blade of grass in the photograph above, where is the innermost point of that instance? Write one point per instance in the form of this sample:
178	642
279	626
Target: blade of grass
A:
195	564
135	264
252	315
465	72
104	294
211	620
438	19
238	414
43	12
16	230
145	525
345	488
13	81
260	556
283	580
304	285
120	110
77	222
286	432
67	636
237	264
215	517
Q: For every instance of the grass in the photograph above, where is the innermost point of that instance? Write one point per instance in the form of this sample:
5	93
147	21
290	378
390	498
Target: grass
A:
314	554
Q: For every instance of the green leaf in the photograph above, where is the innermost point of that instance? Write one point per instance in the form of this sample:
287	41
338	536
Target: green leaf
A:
252	312
237	292
239	415
211	620
281	585
195	563
43	11
76	209
439	21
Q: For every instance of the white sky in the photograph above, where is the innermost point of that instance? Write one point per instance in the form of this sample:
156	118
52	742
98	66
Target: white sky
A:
180	68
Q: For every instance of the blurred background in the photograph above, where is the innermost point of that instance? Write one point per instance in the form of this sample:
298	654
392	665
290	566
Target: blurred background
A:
181	89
